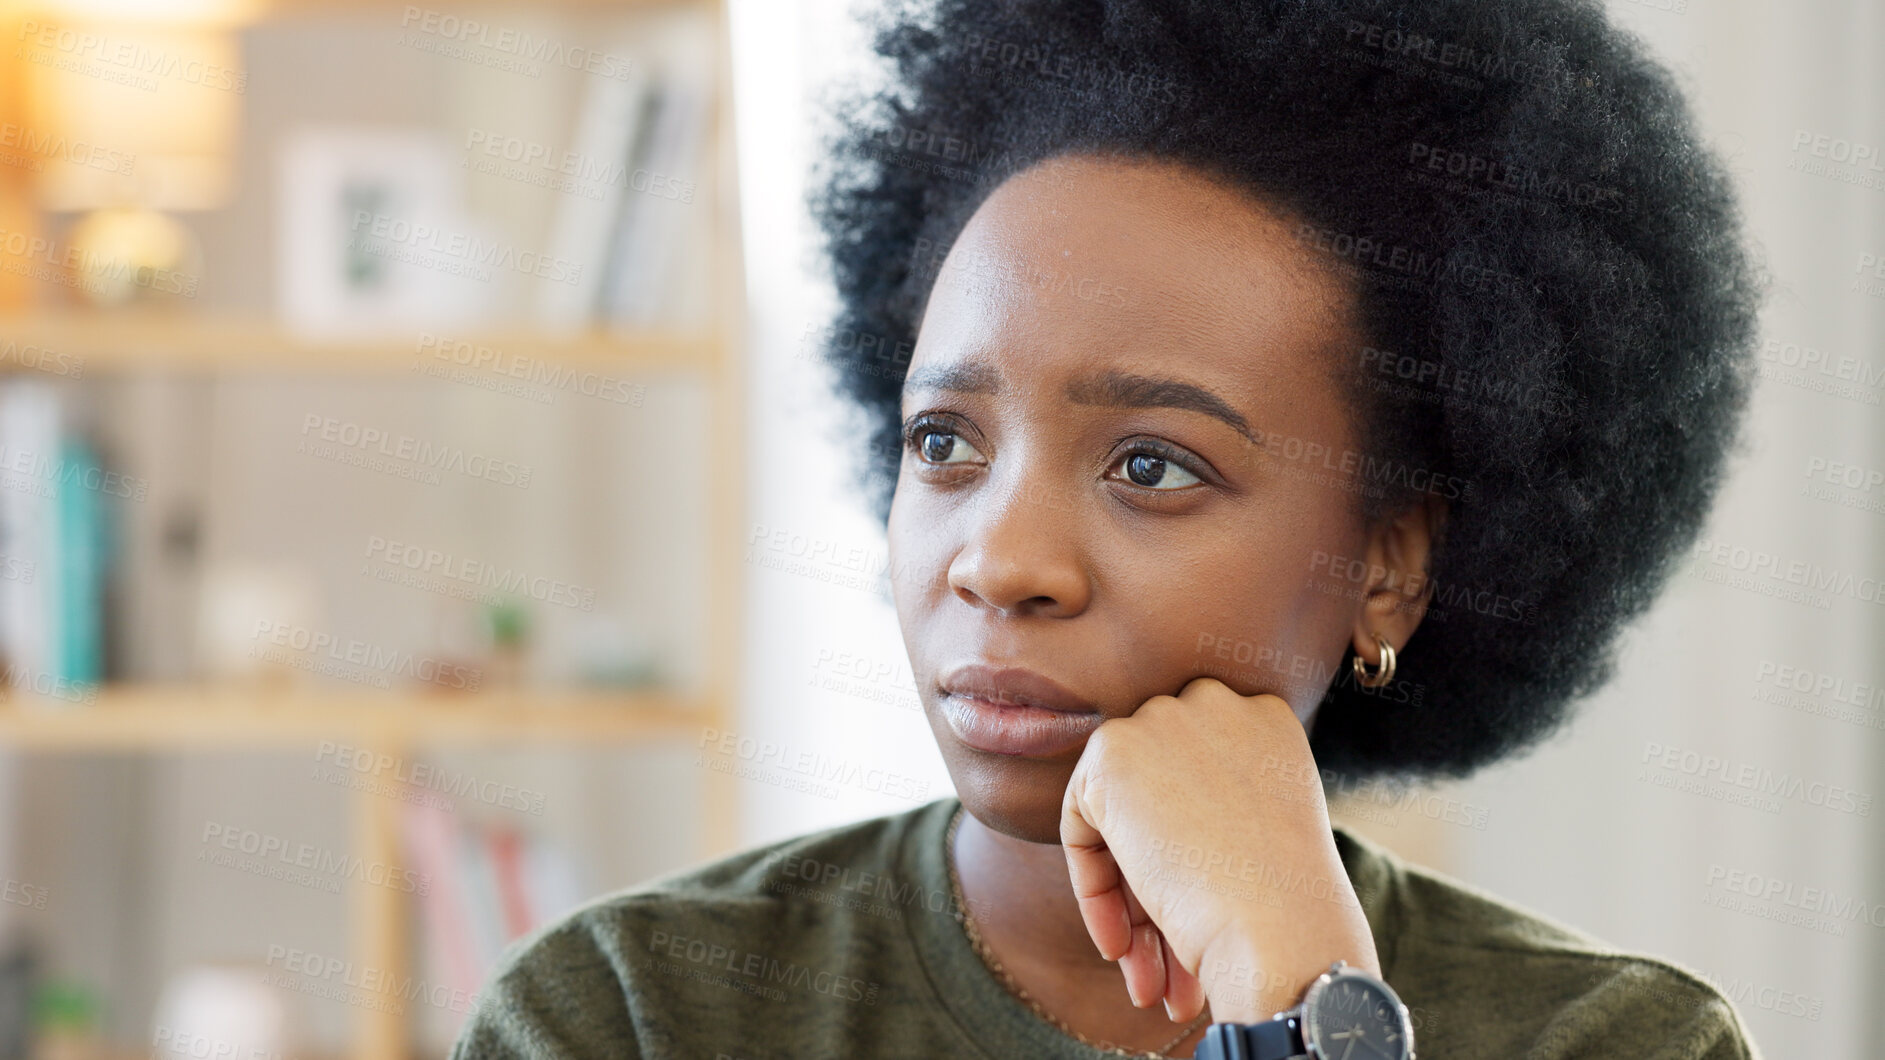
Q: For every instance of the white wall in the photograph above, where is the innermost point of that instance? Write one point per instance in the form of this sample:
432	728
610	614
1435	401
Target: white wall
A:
801	628
1573	831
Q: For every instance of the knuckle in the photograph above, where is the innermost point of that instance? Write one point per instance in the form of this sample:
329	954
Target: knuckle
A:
1155	706
1201	683
1272	701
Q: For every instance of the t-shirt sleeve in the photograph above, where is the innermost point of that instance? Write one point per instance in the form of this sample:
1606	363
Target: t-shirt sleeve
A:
558	995
1713	1032
1649	1010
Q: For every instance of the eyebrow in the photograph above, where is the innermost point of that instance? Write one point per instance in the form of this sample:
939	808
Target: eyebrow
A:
1111	389
961	378
1127	391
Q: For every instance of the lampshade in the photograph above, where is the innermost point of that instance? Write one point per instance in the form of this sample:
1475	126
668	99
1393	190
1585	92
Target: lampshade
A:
131	114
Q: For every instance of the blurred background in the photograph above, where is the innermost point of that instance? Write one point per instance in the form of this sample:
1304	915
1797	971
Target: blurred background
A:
422	509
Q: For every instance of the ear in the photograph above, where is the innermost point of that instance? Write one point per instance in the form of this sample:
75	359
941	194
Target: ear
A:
1394	600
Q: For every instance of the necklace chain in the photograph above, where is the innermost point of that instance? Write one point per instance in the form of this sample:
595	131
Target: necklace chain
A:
995	965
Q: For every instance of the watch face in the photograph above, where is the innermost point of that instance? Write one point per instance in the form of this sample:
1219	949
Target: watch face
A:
1355	1018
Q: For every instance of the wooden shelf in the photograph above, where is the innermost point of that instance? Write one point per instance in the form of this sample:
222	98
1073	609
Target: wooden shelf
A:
190	717
106	342
278	8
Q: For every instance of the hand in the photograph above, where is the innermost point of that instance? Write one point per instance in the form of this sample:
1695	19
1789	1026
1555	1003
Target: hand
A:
1199	847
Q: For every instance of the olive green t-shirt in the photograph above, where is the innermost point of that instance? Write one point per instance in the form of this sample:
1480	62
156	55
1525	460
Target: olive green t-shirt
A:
846	943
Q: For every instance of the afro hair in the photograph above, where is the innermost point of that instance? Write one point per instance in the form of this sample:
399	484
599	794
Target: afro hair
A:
1548	262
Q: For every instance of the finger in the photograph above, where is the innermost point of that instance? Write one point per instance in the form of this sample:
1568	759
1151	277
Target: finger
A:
1144	966
1201	685
1095	877
1134	908
1184	992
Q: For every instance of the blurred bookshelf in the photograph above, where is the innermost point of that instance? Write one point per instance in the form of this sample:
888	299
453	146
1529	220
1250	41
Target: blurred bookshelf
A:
154	717
670	315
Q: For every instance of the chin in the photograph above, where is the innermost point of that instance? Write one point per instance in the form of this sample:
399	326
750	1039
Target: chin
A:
1018	797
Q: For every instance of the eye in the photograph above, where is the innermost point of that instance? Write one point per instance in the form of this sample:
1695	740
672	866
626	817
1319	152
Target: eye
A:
944	447
1156	470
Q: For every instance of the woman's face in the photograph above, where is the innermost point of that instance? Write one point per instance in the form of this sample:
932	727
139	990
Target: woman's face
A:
1110	477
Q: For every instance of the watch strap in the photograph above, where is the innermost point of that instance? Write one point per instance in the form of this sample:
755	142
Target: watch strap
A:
1276	1039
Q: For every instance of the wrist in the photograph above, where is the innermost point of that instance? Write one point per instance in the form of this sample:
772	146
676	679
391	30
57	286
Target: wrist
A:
1246	985
1342	1008
1241	986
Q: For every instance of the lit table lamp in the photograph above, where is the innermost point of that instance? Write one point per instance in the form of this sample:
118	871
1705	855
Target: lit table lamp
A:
133	119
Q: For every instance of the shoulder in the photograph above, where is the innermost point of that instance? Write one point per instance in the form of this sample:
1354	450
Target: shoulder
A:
1488	970
616	968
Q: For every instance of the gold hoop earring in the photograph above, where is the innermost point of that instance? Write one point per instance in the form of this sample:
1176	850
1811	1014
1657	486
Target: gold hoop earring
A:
1383	673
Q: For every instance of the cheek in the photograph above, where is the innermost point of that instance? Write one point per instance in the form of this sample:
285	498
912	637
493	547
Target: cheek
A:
1259	617
897	553
918	558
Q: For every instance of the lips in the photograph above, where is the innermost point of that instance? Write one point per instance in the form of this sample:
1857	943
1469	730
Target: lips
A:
1011	711
1014	687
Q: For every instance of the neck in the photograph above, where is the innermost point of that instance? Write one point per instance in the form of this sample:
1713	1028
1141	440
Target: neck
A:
1022	900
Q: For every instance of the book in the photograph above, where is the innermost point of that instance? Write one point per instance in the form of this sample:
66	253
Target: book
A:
29	427
55	512
484	915
81	519
507	864
488	885
607	131
431	839
650	238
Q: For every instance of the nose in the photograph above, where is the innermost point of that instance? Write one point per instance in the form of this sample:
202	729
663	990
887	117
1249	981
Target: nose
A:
1022	554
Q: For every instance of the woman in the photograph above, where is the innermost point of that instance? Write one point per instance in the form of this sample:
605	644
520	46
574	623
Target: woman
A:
1296	395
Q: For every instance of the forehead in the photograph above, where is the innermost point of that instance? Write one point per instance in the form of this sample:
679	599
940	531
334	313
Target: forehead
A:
1137	264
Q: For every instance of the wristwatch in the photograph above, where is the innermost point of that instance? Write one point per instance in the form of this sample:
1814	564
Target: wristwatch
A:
1344	1015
